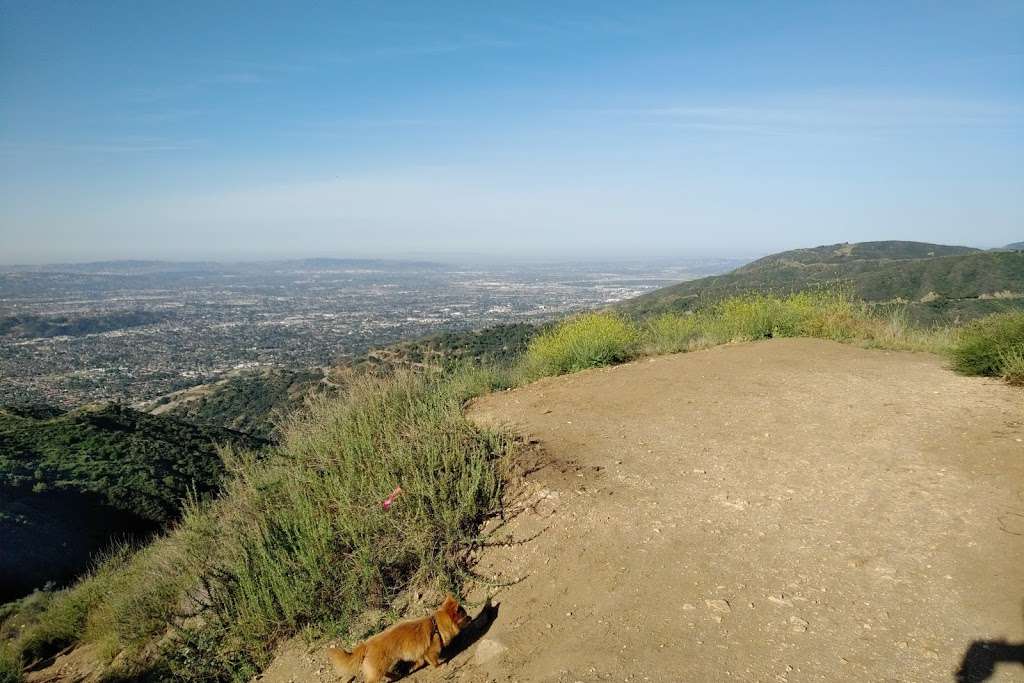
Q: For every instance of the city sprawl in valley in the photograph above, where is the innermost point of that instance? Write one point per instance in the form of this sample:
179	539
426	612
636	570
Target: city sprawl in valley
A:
132	331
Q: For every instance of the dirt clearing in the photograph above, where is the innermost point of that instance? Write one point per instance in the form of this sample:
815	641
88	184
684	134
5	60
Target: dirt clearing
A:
779	511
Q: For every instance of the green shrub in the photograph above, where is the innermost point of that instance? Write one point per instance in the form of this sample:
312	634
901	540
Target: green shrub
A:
62	621
586	341
672	333
144	596
16	615
986	344
743	318
301	536
10	665
468	381
199	654
825	314
1013	366
889	327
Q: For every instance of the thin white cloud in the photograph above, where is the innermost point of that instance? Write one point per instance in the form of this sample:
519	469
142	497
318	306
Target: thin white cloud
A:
828	112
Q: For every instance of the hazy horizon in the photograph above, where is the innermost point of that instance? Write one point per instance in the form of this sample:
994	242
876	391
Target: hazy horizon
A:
441	257
189	131
455	258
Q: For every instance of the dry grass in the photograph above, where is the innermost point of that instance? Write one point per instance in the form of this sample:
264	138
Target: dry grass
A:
990	345
64	616
298	537
1012	369
10	665
823	315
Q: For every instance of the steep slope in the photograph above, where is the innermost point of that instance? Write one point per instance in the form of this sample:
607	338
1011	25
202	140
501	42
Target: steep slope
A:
72	482
140	463
938	283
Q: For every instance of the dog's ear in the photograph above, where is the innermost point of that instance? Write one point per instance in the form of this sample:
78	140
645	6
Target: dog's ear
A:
450	605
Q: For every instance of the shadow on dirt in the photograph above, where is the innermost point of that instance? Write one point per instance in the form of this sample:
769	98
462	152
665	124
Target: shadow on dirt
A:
983	656
480	625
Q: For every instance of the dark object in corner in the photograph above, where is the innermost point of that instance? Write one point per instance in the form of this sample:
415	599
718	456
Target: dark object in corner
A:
981	658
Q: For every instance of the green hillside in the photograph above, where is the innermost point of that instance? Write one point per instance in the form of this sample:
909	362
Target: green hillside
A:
490	345
254	402
72	482
251	402
892	250
938	283
30	326
140	463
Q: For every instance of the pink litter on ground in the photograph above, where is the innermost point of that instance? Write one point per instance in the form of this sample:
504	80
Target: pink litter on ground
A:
391	499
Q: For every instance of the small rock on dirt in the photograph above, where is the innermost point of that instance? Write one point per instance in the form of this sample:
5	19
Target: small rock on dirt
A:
719	606
487	649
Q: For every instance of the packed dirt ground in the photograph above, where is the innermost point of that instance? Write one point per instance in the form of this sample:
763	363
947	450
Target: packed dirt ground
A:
790	510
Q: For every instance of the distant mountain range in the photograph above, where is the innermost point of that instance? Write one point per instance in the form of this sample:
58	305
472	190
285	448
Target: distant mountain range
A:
136	267
938	283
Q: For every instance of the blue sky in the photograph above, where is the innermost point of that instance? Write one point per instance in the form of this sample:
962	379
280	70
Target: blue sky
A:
250	130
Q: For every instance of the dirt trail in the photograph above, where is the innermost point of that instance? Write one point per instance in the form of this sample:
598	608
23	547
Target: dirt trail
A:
791	510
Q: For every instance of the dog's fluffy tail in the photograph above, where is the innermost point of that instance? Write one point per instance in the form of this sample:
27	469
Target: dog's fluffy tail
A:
347	663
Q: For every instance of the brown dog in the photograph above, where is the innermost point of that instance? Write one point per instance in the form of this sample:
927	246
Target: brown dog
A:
418	641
